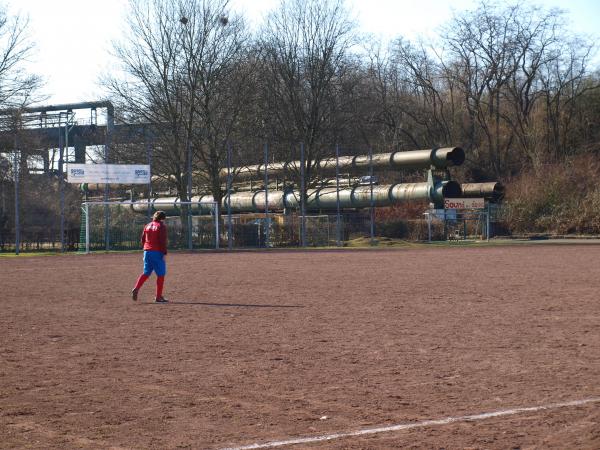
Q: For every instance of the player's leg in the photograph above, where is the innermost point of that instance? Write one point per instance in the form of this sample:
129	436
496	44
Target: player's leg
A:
160	267
160	282
143	277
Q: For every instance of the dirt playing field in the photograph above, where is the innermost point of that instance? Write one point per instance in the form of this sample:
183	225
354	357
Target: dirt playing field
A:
263	347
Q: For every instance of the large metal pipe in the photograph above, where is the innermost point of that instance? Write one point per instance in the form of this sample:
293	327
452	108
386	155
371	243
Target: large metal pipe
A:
69	106
439	158
318	199
242	186
110	109
493	191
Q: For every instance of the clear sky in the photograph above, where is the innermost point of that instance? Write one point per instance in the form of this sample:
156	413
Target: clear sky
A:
73	37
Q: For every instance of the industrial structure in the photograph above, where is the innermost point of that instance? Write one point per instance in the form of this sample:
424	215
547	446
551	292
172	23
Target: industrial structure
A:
330	196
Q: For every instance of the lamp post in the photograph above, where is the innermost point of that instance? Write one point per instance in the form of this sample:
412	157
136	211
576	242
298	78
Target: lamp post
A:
267	220
371	200
64	150
189	191
149	160
188	149
184	20
229	179
338	224
16	179
302	198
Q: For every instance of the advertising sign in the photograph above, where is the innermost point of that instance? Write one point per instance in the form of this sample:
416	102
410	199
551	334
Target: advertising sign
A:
464	203
108	173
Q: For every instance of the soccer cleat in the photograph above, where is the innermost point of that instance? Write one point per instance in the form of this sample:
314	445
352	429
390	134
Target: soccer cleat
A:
161	300
134	293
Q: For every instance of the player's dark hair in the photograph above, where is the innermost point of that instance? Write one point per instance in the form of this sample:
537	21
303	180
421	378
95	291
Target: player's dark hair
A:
159	215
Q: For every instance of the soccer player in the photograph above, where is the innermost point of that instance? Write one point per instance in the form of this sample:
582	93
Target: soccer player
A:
154	243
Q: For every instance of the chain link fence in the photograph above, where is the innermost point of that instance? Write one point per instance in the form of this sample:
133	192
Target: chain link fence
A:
115	227
30	212
321	230
458	225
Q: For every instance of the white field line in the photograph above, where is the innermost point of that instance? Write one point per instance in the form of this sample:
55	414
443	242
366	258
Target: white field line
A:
422	424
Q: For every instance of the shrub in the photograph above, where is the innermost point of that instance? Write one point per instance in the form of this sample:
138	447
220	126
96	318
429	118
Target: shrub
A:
560	199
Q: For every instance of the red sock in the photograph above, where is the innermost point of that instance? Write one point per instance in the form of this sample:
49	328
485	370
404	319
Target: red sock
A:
141	280
160	281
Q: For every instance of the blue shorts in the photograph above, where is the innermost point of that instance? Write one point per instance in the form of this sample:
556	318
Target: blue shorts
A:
154	261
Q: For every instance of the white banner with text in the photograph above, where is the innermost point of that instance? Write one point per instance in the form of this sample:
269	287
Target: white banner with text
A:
108	173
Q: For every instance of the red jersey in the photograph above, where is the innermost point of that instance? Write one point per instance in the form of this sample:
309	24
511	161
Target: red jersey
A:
154	237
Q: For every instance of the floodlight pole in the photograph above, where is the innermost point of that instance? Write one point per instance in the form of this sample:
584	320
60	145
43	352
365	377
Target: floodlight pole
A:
149	158
267	195
302	198
372	204
229	224
16	179
337	196
61	164
110	124
189	190
61	187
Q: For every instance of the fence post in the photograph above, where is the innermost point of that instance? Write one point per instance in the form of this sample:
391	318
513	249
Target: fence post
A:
487	223
445	226
217	230
87	228
429	225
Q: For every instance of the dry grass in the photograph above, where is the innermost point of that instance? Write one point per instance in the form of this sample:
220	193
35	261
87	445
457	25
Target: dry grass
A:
557	199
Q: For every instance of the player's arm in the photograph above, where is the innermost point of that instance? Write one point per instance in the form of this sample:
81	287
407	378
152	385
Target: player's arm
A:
143	238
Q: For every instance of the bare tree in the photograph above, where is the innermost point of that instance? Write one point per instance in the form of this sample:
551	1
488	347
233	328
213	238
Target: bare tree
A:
305	49
505	60
410	96
219	74
185	71
505	81
18	89
563	81
480	45
16	85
